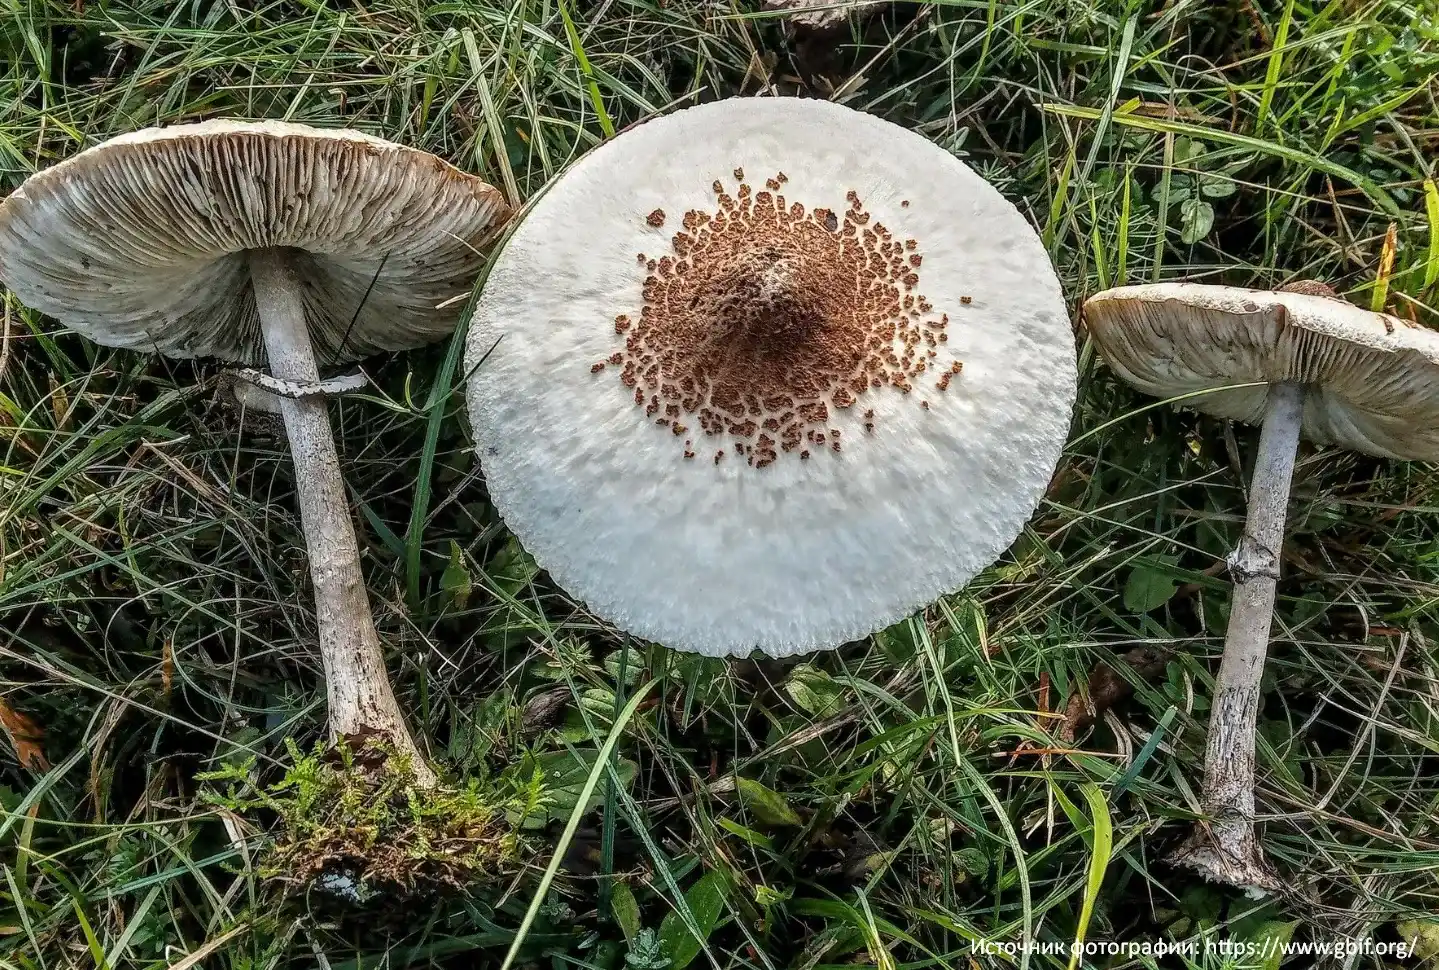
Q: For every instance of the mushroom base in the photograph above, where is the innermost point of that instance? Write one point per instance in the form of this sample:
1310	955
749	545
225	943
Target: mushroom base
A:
1226	851
353	826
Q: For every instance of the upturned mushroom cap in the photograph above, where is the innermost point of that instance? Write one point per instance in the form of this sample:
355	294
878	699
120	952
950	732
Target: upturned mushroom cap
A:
769	373
141	242
1373	380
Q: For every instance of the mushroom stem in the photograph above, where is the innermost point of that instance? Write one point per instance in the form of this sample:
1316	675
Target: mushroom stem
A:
359	693
1226	850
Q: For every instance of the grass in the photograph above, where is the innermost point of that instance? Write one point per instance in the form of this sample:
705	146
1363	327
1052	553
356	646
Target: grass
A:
887	804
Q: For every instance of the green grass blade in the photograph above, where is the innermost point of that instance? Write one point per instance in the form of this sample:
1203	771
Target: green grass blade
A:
1121	259
1317	162
1431	208
577	46
1100	850
419	511
1145	753
601	761
1276	64
981	784
97	952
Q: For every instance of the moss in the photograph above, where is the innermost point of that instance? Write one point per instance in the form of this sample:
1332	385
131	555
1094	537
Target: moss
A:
351	820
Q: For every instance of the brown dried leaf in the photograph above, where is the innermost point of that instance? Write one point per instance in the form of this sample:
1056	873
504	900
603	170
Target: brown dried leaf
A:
25	736
59	404
1107	687
167	668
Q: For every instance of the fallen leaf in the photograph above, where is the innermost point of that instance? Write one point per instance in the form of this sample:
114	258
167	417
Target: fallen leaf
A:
1108	687
25	736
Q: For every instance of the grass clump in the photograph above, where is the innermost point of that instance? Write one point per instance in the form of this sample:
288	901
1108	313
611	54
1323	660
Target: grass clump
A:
154	619
350	819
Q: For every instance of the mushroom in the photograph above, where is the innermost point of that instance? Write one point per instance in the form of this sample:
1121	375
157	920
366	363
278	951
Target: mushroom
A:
768	373
256	241
1297	362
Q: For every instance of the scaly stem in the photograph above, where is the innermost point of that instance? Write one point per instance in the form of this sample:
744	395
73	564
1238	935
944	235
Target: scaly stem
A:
358	688
1226	849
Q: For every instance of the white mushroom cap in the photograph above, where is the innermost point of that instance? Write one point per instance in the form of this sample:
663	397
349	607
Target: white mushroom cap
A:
622	321
1373	379
140	242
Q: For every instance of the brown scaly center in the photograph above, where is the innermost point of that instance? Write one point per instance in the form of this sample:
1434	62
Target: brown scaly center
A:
765	318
